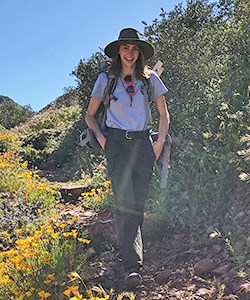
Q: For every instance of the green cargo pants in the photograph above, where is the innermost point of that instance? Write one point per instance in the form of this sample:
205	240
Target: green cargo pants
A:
130	164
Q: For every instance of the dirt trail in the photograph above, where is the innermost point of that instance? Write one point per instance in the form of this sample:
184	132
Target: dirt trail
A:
177	266
184	265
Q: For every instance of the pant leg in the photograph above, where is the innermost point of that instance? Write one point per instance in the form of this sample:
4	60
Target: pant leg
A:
130	166
142	175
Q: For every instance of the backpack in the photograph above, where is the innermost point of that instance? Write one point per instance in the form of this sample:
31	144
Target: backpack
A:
87	137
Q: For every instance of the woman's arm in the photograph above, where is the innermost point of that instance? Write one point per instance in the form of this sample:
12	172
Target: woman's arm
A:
91	121
163	125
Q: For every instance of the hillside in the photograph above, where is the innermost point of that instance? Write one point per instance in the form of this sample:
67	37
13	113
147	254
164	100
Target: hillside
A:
4	98
13	114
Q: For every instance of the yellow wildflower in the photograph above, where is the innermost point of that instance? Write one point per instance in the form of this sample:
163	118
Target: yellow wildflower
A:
55	235
28	294
49	229
67	292
61	225
34	244
74	233
10	253
84	241
19	231
66	234
44	295
16	291
24	164
71	289
50	278
37	234
4	280
107	183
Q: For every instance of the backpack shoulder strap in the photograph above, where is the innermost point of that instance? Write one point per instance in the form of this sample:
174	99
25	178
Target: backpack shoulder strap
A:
109	89
149	89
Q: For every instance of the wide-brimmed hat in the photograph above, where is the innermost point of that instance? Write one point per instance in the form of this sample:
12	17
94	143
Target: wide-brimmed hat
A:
129	36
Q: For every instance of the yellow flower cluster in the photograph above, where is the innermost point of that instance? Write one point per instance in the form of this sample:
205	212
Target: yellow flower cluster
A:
95	191
95	294
6	136
15	177
36	187
7	142
29	267
99	198
30	254
7	160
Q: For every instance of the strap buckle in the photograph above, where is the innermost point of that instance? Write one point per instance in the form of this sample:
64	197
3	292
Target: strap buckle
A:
127	135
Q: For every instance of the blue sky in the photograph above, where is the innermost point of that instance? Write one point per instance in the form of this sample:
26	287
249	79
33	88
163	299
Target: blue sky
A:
42	41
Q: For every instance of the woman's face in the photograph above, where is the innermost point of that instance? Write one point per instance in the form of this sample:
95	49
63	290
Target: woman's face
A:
129	54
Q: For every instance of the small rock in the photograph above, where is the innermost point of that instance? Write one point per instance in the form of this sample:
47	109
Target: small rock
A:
203	292
204	266
217	248
221	270
163	276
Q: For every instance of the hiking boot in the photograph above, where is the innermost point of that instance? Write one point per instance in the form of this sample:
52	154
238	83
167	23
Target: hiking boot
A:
132	279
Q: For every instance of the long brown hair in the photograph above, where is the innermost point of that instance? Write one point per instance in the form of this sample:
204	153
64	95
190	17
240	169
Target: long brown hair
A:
141	70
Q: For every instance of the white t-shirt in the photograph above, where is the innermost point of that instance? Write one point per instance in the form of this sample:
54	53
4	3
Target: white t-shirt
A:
126	114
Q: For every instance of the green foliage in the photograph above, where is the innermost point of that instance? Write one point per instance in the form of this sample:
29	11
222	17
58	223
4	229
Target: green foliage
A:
12	114
46	132
86	73
69	98
205	50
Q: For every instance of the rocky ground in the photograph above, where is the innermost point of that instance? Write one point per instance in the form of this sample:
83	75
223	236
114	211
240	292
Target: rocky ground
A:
181	265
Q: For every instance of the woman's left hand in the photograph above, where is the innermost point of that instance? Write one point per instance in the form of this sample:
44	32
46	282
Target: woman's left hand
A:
158	146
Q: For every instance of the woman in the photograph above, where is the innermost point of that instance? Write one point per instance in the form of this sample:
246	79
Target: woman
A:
129	151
